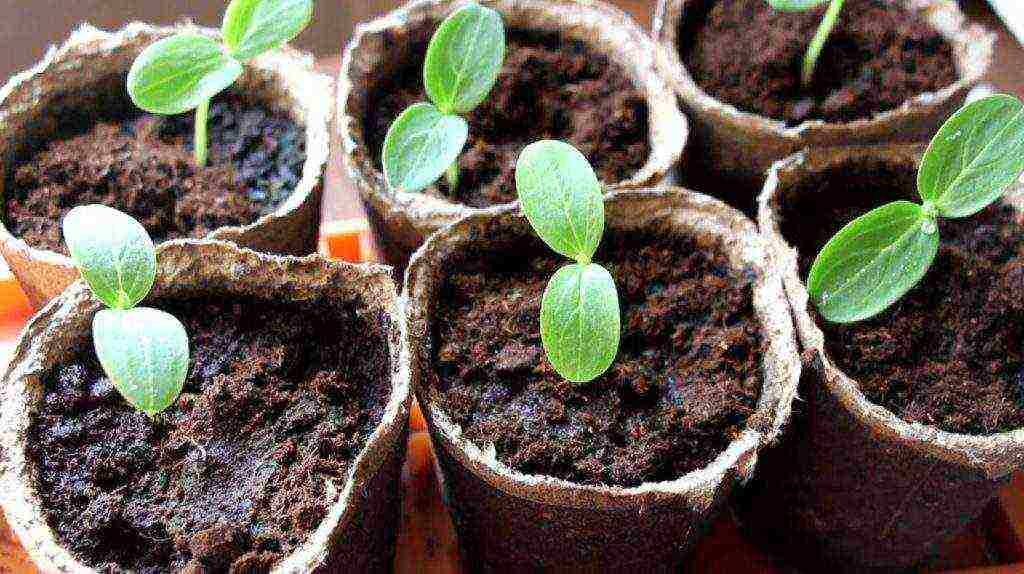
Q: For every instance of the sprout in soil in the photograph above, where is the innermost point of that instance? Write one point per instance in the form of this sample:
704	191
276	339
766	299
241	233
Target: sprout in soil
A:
579	315
185	71
878	257
828	22
143	351
462	64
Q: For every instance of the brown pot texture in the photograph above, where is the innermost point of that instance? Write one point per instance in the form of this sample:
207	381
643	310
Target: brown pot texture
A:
359	530
405	219
855	485
741	146
73	76
509	521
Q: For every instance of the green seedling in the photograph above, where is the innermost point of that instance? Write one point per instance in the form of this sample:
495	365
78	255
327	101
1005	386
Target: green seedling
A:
875	259
820	37
185	71
144	351
579	316
462	64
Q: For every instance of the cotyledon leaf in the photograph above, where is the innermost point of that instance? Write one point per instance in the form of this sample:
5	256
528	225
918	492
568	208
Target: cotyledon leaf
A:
145	353
420	146
873	261
464	58
579	321
252	27
176	74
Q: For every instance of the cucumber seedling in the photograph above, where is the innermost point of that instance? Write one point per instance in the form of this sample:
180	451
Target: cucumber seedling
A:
828	23
579	317
462	64
875	259
144	351
185	71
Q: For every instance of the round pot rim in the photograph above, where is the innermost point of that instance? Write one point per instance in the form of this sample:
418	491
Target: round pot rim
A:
92	42
973	51
781	365
668	129
997	454
309	276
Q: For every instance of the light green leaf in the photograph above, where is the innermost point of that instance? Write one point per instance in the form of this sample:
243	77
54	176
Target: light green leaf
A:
252	27
561	197
873	261
176	74
579	321
464	59
113	252
420	146
796	5
145	353
974	157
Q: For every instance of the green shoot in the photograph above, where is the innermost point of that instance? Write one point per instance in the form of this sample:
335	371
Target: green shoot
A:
877	258
185	71
144	351
828	23
462	64
579	318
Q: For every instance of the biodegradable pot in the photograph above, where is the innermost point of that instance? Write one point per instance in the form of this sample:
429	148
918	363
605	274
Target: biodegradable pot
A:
88	71
740	146
359	530
405	219
854	482
507	520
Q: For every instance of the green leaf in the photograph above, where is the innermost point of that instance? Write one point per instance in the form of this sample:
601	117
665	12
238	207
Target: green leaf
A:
579	321
176	74
252	27
145	353
464	59
796	5
561	197
976	155
113	252
420	146
873	261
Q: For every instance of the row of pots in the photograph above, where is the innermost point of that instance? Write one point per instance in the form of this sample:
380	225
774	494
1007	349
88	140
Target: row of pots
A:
725	141
505	519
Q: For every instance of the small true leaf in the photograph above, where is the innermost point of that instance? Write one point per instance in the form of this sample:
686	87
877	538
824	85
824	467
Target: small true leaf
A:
579	321
176	74
252	27
145	353
796	5
113	252
464	59
873	261
561	196
420	145
976	155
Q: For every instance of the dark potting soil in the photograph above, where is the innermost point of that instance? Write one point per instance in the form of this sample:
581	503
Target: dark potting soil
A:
549	88
949	353
687	377
143	165
278	402
750	55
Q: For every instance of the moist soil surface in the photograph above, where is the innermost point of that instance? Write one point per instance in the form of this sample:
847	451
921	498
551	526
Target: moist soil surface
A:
144	165
549	88
949	353
241	469
687	377
750	55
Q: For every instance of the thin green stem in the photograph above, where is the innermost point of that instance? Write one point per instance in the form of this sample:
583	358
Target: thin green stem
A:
452	175
200	140
820	37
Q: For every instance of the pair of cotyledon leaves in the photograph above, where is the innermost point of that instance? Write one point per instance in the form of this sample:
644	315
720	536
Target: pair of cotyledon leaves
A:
144	351
875	259
461	66
178	73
